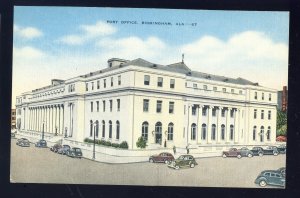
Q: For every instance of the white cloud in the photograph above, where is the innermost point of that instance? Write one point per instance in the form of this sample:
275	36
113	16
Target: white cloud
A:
88	33
27	32
27	52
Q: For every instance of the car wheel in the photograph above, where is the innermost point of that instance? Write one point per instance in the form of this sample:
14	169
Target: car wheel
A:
250	155
192	165
224	155
275	153
166	161
151	160
262	183
260	154
177	167
239	156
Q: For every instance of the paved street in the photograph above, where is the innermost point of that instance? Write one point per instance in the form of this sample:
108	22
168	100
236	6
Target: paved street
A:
40	165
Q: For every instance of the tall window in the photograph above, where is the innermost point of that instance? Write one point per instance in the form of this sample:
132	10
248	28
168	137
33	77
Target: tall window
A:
158	106
214	112
112	81
171	107
118	104
193	131
104	83
223	112
91	106
231	113
263	96
269	133
222	132
92	85
145	130
262	114
255	113
98	84
269	115
119	80
110	129
172	83
145	105
255	95
194	110
262	133
97	103
110	105
170	131
103	128
97	129
103	105
204	111
270	97
203	132
159	81
117	130
231	132
146	79
213	132
86	86
254	133
91	128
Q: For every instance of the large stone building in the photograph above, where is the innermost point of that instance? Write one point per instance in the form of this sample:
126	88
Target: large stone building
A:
166	104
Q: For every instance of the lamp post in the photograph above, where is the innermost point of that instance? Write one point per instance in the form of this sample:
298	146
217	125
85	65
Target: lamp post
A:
94	152
43	132
55	130
66	132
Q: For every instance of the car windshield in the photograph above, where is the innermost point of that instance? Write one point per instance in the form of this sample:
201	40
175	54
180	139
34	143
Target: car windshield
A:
66	146
77	149
181	157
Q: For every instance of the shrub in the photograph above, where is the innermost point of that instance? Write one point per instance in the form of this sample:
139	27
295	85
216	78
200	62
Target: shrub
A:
108	143
102	142
141	143
124	145
115	145
86	139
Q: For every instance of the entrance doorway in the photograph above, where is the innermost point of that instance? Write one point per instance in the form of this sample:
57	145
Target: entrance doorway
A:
158	133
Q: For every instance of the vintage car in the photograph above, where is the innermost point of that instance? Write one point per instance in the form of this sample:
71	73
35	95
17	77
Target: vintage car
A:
41	144
270	177
271	150
257	151
162	157
281	149
281	171
55	147
183	161
23	142
64	149
233	152
245	152
13	135
74	152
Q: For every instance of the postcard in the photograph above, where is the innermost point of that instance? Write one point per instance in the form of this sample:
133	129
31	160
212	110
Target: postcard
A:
150	97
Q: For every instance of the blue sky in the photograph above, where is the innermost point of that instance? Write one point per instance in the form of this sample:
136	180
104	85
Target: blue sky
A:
63	42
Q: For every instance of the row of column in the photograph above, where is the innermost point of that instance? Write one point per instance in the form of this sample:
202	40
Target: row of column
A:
49	118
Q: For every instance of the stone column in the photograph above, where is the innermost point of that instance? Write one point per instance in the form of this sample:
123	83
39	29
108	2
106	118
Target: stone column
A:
199	125
209	119
50	118
236	128
62	120
227	131
218	126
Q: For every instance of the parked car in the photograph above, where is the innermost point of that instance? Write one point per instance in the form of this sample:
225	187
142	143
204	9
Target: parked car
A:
41	144
233	152
245	152
162	157
55	147
281	171
64	149
281	149
23	142
74	152
281	139
270	150
13	135
257	151
183	161
270	177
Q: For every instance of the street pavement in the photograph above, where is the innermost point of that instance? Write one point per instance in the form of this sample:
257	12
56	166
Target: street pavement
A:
40	165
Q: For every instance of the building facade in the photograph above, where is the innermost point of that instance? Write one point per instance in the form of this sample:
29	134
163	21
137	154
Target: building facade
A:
168	105
13	118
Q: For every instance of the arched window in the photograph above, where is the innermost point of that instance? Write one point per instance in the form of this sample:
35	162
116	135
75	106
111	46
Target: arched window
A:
213	132
110	129
97	128
269	133
222	132
158	130
193	131
91	128
262	132
145	130
117	130
103	128
170	131
203	132
231	132
254	133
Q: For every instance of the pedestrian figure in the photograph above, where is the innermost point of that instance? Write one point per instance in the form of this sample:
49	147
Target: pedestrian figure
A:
165	144
174	149
187	150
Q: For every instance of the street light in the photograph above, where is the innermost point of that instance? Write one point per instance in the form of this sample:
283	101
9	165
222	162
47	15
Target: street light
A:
43	132
66	132
94	152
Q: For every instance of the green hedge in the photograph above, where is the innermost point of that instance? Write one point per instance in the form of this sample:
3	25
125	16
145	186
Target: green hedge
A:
123	145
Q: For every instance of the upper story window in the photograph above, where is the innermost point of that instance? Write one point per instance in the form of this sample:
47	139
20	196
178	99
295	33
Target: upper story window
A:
270	97
214	112
223	112
172	83
195	85
255	113
112	81
86	86
146	80
269	115
194	110
232	90
215	88
224	90
255	95
145	105
98	84
97	103
92	85
263	96
158	106
159	81
104	83
91	106
231	113
205	87
118	104
204	111
241	92
262	114
103	105
110	105
119	80
171	107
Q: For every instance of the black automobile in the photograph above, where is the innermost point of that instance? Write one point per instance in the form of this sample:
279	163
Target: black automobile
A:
41	144
64	149
245	152
281	149
55	147
23	142
270	177
270	150
74	152
257	151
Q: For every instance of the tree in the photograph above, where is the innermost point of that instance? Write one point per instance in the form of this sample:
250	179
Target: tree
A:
141	143
281	123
